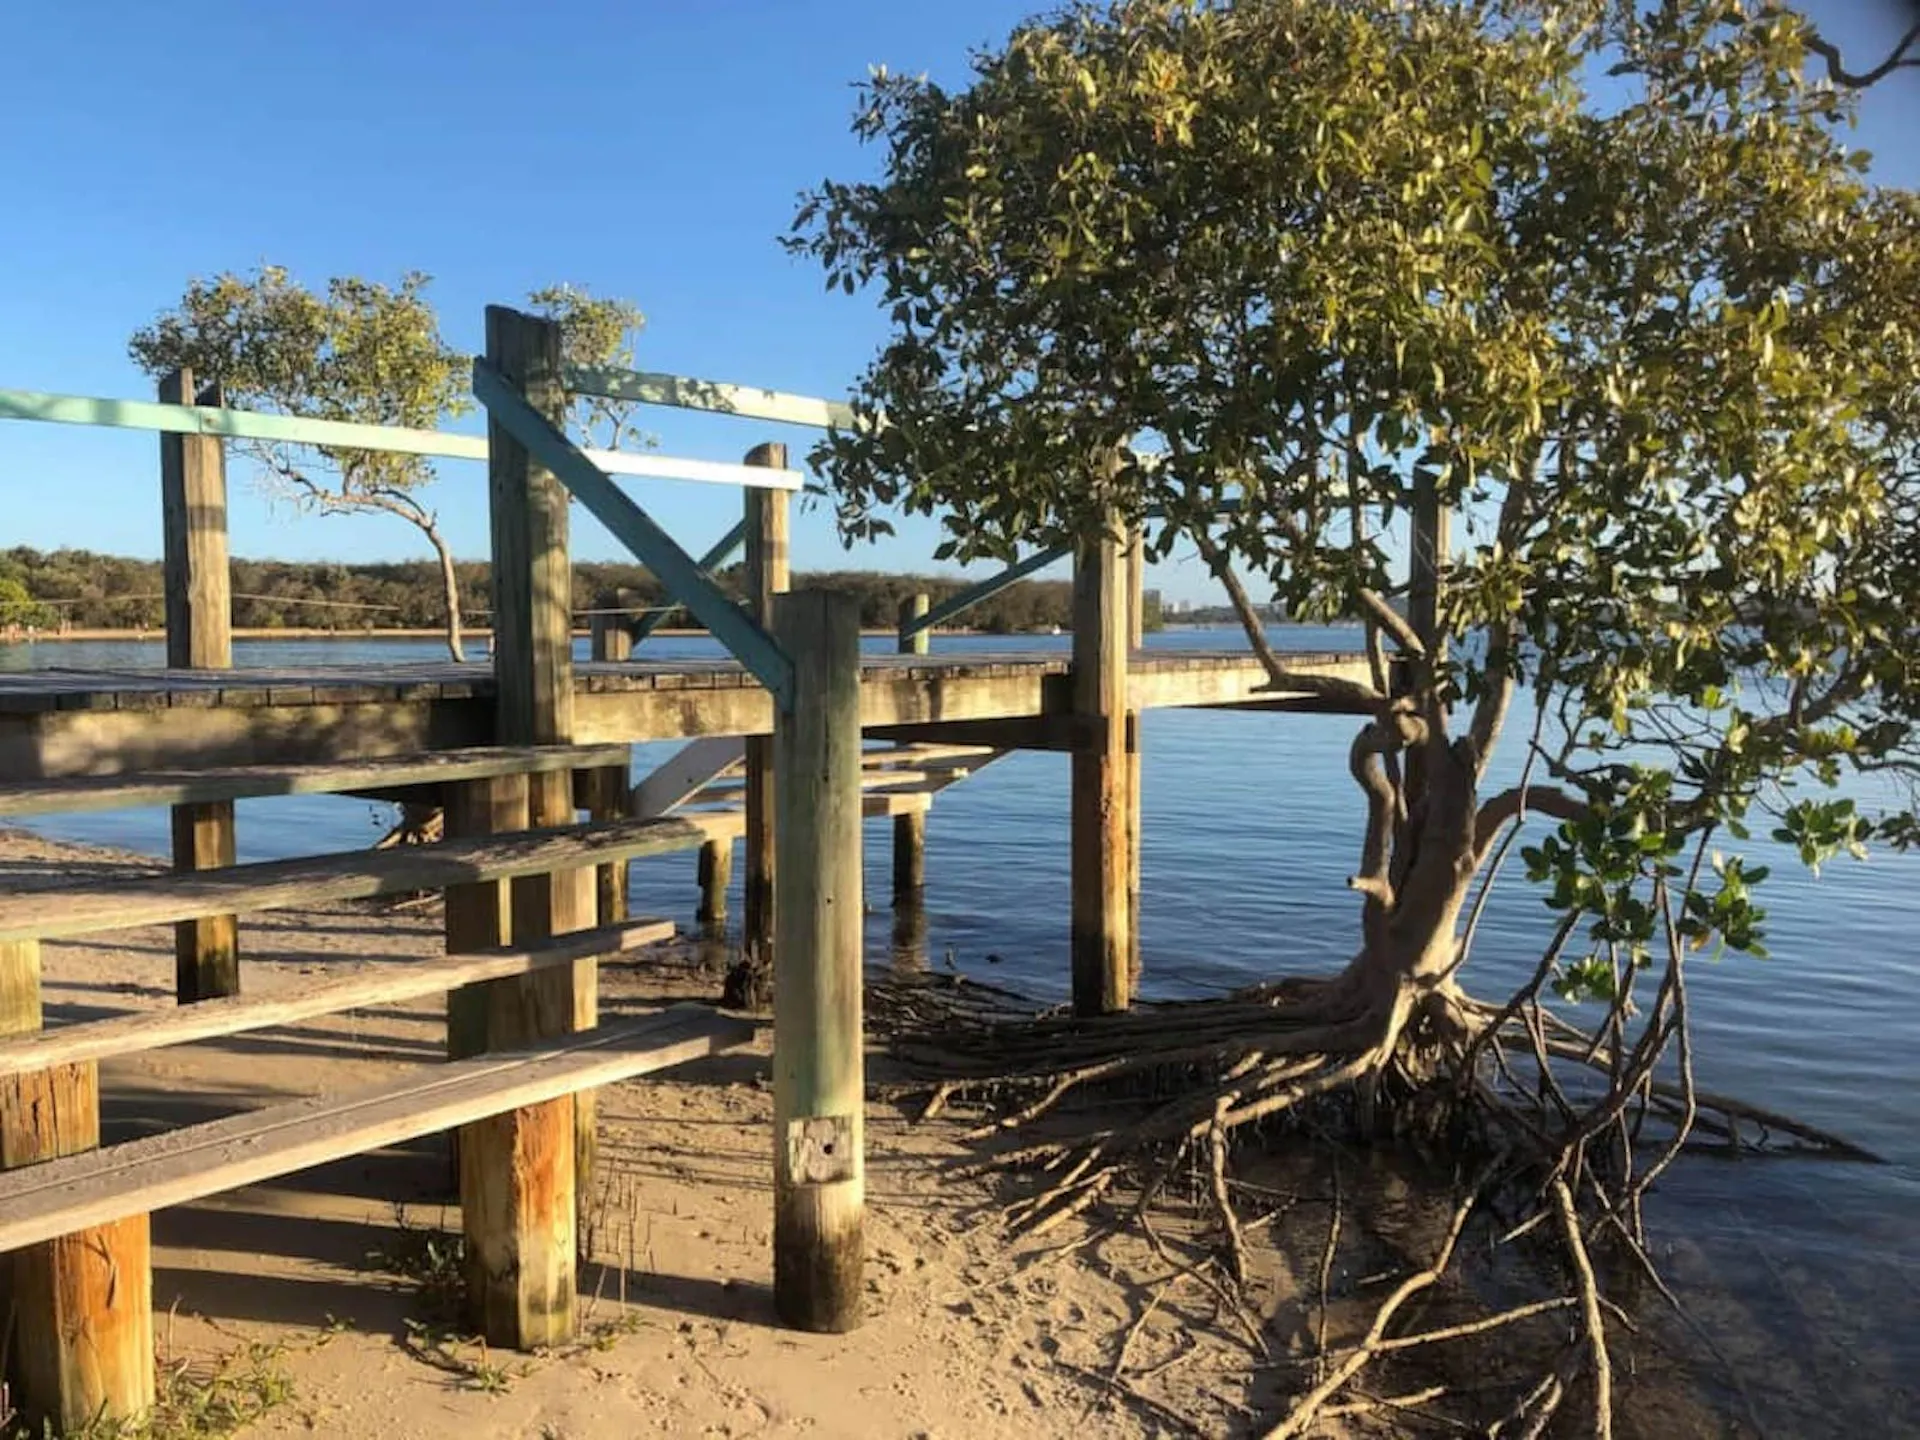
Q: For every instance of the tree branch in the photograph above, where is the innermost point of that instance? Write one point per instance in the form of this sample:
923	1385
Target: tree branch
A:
1512	804
1279	677
1899	58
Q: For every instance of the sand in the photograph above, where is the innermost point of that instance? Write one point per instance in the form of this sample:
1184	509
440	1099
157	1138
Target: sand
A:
964	1335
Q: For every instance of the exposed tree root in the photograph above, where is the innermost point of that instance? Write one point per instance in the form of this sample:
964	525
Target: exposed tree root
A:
1558	1120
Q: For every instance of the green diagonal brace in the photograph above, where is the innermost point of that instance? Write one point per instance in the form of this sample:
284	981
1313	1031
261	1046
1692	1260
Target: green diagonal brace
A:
639	532
985	590
718	555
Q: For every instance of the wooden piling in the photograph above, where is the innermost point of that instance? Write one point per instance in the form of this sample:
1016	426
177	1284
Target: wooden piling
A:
609	633
1136	637
199	609
76	1317
910	830
1102	948
510	1159
716	874
605	794
818	1063
767	575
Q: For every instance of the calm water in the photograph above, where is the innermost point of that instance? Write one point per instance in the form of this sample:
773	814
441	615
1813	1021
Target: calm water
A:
1250	828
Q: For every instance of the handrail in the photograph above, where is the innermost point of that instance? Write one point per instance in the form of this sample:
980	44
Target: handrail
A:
229	424
651	387
236	424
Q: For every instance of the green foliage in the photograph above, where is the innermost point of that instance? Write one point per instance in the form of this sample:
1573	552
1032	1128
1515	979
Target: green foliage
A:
1606	276
358	351
19	608
595	331
108	592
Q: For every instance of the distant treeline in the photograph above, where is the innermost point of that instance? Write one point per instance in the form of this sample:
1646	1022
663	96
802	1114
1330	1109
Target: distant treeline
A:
78	589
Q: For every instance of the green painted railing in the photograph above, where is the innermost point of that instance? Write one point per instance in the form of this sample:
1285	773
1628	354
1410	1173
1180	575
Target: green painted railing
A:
714	396
236	424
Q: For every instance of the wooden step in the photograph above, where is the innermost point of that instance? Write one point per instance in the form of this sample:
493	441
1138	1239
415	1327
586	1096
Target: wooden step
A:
249	782
380	983
42	1202
68	910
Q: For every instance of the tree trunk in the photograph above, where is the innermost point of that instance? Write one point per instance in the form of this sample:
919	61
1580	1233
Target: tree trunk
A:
450	591
1414	951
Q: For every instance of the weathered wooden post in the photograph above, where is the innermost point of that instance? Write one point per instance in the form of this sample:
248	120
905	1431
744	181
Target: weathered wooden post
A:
1136	637
1102	948
910	830
716	874
519	1172
193	512
818	1059
767	575
78	1311
610	634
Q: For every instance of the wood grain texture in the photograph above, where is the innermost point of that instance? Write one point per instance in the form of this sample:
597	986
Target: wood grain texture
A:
1136	559
78	1315
84	909
193	519
1101	948
379	982
768	574
818	1045
243	782
715	875
206	949
910	831
101	1186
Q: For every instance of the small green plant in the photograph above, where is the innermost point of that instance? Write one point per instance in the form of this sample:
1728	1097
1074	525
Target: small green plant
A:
433	1261
468	1360
196	1401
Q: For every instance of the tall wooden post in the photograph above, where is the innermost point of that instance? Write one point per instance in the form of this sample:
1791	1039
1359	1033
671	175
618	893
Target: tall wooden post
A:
1136	637
1429	542
76	1314
1102	948
767	576
193	513
605	793
716	874
819	1169
609	634
533	681
910	830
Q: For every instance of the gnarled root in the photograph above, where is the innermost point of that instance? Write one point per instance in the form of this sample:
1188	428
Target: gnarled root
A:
1560	1123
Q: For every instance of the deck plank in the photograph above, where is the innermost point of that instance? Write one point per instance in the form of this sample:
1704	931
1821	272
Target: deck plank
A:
42	1202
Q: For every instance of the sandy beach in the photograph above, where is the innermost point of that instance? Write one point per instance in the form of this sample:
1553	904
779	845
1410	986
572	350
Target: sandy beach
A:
316	1290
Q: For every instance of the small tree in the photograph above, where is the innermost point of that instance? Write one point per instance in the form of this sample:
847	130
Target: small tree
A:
359	351
1347	266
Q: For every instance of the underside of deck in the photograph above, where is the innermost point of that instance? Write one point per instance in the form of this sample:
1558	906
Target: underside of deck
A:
92	722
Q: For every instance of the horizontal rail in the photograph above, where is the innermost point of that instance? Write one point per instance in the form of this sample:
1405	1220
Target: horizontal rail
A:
716	397
236	424
63	911
709	472
652	546
985	590
351	435
379	982
42	1202
83	793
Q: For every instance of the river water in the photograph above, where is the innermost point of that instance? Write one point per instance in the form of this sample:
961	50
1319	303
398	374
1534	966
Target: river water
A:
1250	826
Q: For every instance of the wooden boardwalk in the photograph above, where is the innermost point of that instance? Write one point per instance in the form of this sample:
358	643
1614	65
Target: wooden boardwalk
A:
61	722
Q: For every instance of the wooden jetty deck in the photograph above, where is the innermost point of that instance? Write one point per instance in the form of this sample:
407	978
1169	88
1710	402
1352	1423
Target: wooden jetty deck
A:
783	750
62	722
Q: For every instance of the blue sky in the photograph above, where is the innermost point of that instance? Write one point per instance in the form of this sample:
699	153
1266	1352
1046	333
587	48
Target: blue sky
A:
652	150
